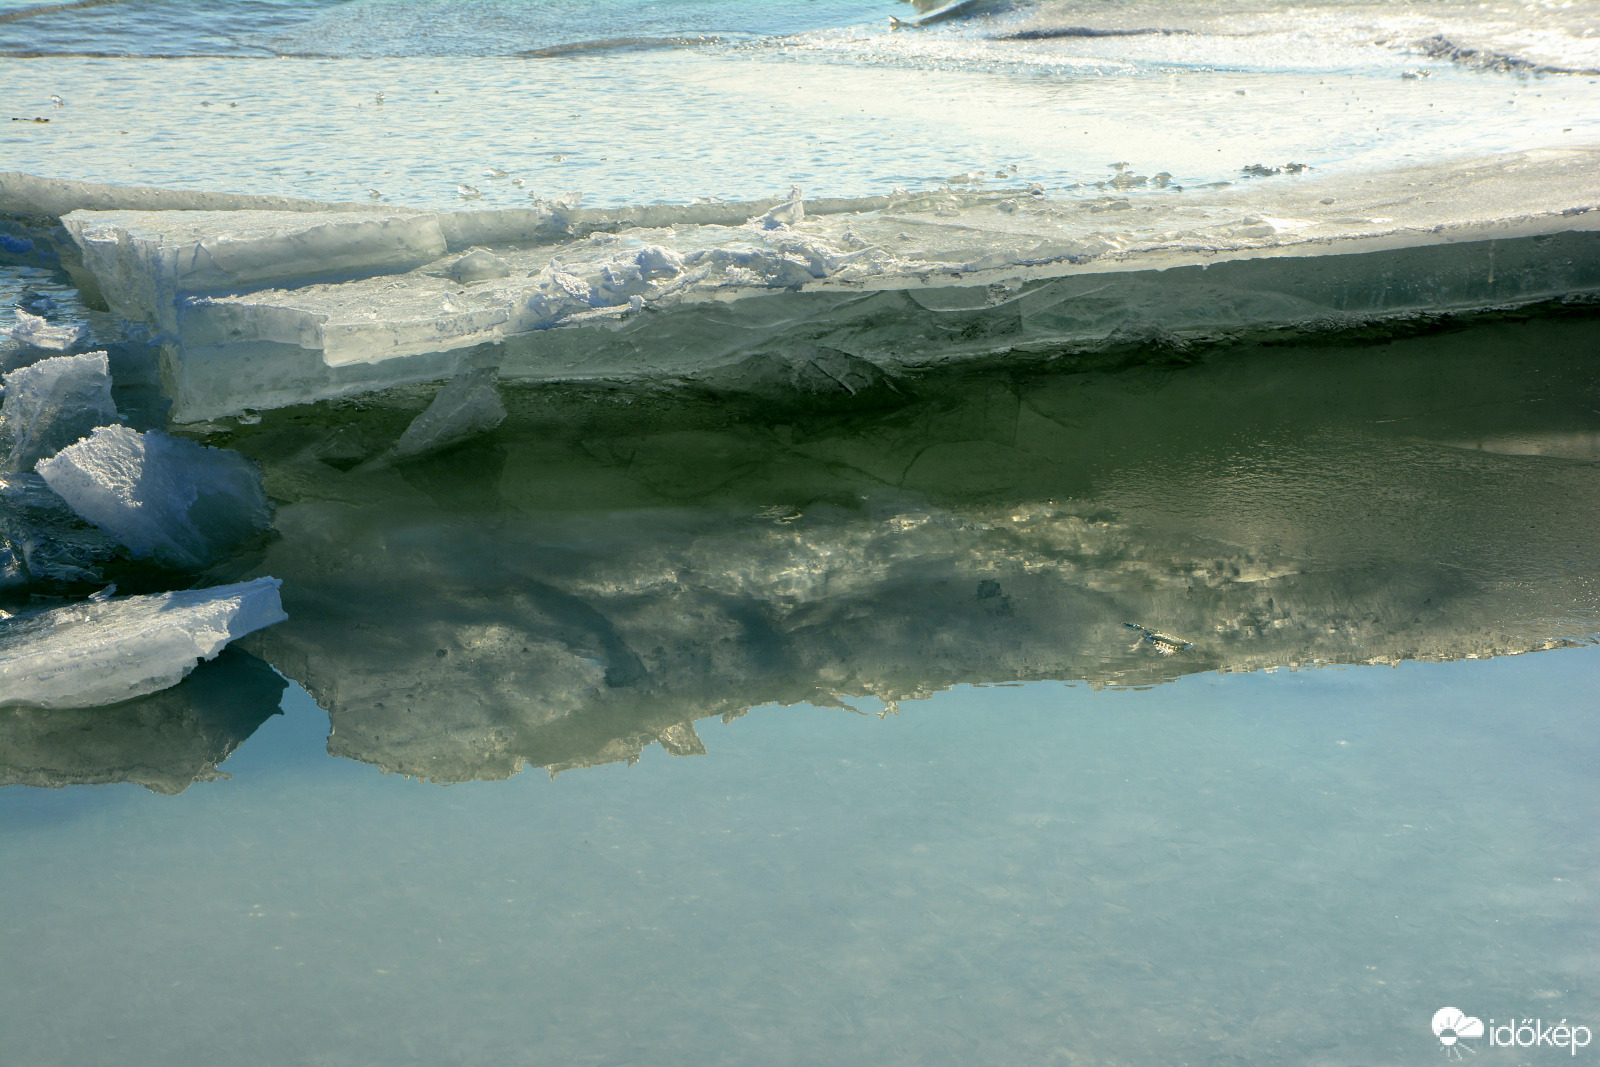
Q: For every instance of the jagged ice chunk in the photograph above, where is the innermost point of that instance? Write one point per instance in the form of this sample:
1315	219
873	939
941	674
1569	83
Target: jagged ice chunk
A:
37	332
102	652
52	404
183	504
466	407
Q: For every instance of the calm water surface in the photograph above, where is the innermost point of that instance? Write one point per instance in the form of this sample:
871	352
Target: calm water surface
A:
1264	868
955	810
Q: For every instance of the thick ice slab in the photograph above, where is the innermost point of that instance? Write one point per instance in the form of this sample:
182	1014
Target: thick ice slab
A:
102	652
166	498
52	404
895	280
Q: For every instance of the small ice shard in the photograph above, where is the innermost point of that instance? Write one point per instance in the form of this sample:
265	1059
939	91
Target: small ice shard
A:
36	332
466	407
494	172
182	504
478	265
1165	644
467	192
101	652
52	404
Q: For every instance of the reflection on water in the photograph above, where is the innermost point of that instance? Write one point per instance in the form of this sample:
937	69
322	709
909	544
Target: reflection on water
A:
165	742
615	563
1162	866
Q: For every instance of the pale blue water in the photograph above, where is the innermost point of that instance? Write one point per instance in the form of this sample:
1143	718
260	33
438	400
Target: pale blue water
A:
1268	868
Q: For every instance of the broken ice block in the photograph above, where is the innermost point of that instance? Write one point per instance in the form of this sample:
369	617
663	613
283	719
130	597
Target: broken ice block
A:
52	404
466	407
183	504
37	332
102	652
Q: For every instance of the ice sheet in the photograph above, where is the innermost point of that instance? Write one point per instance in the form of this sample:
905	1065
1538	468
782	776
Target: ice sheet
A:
659	291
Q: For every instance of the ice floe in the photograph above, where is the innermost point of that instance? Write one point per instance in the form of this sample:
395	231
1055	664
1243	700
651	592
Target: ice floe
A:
104	651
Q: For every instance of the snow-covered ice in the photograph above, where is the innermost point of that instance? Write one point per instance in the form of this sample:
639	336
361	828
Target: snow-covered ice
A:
166	498
52	404
101	652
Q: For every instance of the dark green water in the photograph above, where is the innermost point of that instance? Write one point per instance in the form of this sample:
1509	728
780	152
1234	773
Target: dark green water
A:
956	811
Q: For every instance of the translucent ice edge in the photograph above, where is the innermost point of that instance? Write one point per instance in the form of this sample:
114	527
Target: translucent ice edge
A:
258	307
105	651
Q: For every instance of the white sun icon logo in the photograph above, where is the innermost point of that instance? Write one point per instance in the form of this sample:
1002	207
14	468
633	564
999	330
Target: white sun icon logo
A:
1450	1025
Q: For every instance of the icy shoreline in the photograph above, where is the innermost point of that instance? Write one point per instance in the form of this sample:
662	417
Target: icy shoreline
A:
255	306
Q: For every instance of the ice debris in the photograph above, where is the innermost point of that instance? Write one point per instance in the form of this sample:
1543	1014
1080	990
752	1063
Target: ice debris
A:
466	407
52	404
787	213
102	652
37	332
182	504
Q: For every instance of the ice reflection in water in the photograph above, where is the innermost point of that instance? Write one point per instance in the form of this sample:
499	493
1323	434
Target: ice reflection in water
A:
614	564
1245	868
